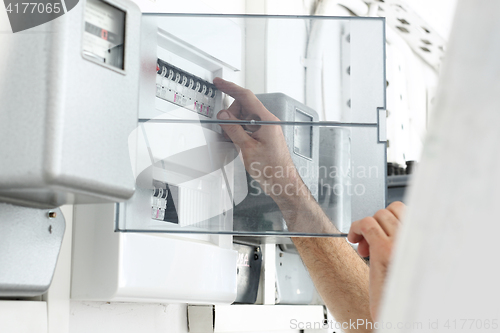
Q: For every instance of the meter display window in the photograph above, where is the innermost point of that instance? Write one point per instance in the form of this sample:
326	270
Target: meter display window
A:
104	35
302	137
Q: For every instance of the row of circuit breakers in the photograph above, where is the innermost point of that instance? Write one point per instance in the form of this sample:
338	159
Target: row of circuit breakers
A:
184	89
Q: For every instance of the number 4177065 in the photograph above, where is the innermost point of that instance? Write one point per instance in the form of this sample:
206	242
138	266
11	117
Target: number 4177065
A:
34	7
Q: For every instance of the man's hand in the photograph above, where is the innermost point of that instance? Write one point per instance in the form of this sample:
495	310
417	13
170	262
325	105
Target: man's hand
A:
265	152
340	275
375	237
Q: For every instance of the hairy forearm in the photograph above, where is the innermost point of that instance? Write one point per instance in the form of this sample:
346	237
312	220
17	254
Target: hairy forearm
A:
339	274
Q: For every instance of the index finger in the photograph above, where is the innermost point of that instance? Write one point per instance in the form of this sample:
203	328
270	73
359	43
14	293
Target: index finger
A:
244	97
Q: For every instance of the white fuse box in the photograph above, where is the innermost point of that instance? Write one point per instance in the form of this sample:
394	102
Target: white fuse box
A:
177	69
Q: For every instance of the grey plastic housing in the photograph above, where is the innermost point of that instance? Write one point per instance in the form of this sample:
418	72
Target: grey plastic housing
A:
248	214
287	109
65	119
30	241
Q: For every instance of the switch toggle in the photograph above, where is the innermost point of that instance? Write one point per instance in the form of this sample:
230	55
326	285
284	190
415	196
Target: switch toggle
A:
185	89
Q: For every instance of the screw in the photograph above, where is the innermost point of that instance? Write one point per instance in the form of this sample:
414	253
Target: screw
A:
52	215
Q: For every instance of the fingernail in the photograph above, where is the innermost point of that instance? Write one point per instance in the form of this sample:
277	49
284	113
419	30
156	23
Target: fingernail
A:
223	115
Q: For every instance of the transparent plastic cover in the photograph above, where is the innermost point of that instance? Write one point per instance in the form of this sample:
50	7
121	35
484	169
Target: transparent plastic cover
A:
294	152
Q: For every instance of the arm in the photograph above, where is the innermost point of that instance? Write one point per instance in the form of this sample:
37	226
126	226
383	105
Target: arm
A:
339	274
375	237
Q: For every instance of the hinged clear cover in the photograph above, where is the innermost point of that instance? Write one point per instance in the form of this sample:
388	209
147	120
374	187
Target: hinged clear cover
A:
298	148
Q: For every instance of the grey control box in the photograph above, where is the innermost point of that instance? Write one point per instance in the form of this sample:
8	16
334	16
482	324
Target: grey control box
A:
302	139
69	92
258	211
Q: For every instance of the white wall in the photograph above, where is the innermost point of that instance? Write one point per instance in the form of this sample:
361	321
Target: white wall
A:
97	317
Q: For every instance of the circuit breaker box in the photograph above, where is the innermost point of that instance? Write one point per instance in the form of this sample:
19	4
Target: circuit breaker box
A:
121	120
192	190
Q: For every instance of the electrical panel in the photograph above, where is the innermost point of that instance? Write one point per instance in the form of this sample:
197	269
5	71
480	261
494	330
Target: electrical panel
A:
124	120
179	182
193	192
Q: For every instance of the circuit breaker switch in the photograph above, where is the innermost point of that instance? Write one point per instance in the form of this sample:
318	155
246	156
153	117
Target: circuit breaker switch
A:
185	89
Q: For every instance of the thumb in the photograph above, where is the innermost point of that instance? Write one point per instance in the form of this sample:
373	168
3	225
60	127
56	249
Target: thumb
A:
235	132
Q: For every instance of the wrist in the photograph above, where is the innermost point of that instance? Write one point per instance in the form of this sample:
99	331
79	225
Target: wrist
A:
290	194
